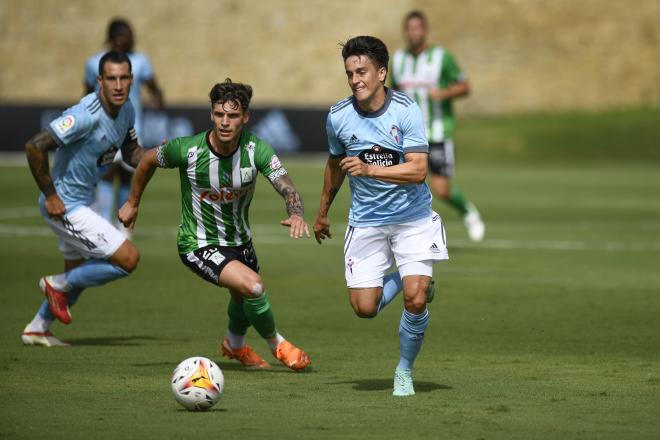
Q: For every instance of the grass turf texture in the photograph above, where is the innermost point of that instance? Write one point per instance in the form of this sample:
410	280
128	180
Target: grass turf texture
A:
549	329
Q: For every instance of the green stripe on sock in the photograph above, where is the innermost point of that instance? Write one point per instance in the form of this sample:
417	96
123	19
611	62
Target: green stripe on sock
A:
457	200
260	315
238	321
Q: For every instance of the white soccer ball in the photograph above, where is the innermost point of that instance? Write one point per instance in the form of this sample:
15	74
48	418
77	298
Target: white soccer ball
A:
197	383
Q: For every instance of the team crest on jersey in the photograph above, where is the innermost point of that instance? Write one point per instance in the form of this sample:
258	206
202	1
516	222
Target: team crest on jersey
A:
247	175
275	162
65	124
379	156
394	132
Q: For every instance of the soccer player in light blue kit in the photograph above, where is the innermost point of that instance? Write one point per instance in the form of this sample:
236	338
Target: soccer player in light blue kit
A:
86	138
120	39
377	137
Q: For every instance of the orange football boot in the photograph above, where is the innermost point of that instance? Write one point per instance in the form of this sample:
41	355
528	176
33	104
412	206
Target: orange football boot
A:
245	355
291	356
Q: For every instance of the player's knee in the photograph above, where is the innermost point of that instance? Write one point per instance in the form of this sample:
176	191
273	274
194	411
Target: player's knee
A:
416	304
366	312
130	262
253	287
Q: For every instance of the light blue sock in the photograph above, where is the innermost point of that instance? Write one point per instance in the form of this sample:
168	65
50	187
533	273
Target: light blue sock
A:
72	298
105	198
93	273
392	285
122	194
411	335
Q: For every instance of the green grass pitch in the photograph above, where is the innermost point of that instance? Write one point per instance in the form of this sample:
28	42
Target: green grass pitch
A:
549	329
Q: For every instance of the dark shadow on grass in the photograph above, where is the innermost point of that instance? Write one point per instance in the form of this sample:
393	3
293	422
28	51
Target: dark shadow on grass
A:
275	368
386	384
112	340
202	412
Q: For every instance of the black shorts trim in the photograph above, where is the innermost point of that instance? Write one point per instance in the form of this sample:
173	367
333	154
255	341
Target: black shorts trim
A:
209	261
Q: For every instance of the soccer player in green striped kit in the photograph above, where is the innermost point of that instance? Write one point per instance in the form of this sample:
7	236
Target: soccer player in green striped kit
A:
218	170
431	76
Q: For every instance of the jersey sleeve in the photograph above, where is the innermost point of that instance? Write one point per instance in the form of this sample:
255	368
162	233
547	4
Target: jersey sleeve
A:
267	162
336	147
169	155
414	133
450	69
71	126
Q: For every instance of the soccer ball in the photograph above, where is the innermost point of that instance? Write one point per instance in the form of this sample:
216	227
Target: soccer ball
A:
197	383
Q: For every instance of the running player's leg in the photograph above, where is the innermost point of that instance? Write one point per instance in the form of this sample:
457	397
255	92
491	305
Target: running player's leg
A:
416	246
441	166
108	257
367	256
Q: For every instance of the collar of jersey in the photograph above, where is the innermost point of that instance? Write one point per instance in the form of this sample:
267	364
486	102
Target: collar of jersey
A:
377	113
215	153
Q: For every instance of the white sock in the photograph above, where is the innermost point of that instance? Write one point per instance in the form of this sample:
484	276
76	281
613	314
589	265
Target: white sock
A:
59	282
39	324
274	342
235	341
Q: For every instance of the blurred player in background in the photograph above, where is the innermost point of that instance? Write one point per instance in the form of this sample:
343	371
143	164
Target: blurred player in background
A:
377	137
218	170
120	39
86	138
431	76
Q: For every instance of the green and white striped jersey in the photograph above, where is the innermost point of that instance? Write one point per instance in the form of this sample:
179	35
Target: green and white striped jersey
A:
416	75
216	191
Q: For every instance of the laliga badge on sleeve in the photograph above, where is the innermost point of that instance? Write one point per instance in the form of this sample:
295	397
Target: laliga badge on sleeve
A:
65	124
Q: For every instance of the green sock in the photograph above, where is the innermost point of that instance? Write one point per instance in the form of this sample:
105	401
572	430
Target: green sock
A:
457	200
238	322
260	315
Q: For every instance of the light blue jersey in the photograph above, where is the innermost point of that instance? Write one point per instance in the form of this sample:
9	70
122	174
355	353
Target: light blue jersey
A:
142	71
88	139
381	138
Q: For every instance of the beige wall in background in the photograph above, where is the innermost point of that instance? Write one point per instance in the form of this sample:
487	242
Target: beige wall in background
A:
520	55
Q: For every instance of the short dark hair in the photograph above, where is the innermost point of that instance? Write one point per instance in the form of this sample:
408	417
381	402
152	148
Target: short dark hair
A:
117	25
372	47
228	91
416	14
114	57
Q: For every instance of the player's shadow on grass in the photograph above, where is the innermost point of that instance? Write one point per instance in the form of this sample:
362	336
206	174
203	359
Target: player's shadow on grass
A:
210	410
386	384
111	340
276	367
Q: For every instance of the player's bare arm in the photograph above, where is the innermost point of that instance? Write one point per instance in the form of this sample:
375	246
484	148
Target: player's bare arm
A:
132	153
143	174
459	89
332	180
413	170
294	206
36	150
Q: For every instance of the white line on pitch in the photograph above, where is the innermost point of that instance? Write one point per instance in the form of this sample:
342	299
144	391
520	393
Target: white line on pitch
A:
270	234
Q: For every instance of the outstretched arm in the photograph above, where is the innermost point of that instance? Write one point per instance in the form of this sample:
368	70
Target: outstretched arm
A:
294	206
333	178
36	150
459	89
132	152
413	170
145	170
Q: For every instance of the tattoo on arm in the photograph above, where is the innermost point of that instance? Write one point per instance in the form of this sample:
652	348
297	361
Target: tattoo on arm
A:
333	179
36	150
132	153
292	199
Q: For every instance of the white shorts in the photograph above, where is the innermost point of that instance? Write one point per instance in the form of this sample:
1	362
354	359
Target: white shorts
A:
370	252
85	234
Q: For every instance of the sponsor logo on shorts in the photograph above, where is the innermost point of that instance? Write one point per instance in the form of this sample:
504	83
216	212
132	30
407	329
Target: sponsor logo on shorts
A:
434	248
379	156
349	264
65	124
225	195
